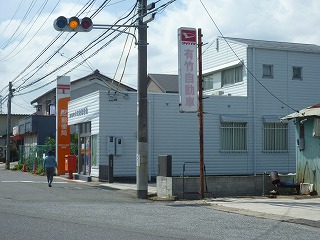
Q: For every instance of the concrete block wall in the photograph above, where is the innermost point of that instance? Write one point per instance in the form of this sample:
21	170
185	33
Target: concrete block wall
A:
220	186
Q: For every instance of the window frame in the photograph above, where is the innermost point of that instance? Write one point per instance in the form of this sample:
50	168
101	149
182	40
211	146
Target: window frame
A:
293	75
237	131
271	71
273	141
236	76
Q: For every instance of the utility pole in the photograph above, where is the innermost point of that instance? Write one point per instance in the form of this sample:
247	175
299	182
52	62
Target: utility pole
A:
8	127
200	114
142	133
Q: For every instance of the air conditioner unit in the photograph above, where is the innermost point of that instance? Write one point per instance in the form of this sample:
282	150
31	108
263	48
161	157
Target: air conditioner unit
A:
221	93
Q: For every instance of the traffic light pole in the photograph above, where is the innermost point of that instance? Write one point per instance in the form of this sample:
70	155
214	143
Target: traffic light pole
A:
142	140
8	127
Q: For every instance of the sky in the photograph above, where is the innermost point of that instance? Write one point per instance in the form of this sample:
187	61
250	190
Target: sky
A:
31	56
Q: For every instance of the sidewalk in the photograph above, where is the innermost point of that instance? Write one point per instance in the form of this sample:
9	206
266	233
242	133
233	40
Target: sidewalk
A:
297	209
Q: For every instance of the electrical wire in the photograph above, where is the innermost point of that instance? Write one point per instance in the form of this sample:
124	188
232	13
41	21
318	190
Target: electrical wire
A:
225	39
88	47
17	10
124	46
50	57
21	22
35	59
21	40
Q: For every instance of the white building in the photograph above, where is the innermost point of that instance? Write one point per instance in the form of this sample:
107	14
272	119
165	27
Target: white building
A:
244	81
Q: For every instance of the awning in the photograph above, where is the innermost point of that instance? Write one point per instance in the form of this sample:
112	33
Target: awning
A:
312	111
17	137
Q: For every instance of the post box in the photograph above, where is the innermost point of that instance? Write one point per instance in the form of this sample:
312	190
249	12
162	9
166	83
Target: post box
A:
70	164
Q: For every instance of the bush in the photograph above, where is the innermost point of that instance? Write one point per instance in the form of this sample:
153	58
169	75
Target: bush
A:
17	167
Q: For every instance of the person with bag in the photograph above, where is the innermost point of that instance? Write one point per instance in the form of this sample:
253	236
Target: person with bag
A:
49	165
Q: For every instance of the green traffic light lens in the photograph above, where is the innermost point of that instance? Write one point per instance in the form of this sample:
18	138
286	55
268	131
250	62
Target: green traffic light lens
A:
61	22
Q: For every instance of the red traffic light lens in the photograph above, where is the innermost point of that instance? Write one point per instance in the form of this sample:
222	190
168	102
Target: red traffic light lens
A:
86	24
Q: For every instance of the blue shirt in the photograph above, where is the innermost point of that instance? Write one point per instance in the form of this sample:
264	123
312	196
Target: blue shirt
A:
49	161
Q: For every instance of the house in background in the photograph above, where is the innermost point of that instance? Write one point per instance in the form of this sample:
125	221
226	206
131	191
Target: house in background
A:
45	104
163	83
34	129
3	132
307	137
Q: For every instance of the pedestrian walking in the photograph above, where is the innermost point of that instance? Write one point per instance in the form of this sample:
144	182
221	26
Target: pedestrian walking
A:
49	165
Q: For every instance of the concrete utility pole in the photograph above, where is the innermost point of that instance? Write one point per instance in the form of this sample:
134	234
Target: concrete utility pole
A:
8	127
142	138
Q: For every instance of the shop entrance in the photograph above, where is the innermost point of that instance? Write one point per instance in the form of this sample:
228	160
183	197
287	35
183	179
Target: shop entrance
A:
85	148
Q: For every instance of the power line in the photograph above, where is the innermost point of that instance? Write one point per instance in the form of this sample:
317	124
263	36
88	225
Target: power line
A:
225	39
50	57
21	40
21	22
87	48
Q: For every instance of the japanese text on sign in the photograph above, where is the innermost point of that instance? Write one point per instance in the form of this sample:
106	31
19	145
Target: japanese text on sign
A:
188	87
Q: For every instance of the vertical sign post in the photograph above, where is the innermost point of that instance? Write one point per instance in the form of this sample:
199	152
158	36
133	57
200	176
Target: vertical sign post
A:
62	127
187	63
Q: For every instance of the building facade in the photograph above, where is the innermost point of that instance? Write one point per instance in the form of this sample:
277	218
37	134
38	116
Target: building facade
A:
248	85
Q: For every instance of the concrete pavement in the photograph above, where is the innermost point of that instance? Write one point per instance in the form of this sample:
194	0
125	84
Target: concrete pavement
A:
296	209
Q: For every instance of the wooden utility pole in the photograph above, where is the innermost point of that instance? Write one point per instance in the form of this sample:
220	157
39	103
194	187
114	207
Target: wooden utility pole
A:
200	113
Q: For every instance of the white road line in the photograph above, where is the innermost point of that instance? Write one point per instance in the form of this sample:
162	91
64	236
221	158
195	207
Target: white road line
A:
31	182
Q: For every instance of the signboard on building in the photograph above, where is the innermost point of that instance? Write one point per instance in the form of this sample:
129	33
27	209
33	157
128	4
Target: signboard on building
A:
63	130
187	63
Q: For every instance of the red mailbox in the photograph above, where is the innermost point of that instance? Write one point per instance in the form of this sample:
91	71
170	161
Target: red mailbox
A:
70	164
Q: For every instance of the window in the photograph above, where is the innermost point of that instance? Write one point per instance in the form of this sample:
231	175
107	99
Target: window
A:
275	137
267	71
297	73
233	137
207	82
231	76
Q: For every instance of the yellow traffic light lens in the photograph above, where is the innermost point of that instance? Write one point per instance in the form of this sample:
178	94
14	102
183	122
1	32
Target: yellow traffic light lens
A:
73	24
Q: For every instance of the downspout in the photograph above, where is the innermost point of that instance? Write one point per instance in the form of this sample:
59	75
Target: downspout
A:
150	135
254	112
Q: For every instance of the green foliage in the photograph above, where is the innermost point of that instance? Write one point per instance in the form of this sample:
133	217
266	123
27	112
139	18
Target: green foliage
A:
51	143
17	167
73	143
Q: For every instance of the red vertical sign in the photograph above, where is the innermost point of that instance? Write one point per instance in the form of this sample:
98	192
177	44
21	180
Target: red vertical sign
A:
63	129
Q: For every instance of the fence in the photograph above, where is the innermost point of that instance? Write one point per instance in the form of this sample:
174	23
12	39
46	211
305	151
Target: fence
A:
33	156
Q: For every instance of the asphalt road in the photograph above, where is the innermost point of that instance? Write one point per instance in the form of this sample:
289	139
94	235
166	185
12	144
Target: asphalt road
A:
29	209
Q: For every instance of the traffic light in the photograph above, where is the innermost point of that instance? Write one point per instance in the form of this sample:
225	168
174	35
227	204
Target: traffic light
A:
73	24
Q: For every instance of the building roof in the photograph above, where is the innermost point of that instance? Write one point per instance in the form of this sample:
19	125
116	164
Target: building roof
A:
166	82
95	74
312	111
299	47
